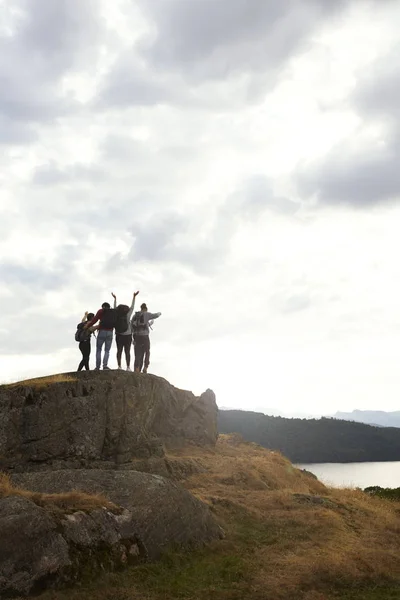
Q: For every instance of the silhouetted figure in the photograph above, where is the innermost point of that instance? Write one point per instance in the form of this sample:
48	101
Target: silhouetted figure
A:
141	324
123	332
84	335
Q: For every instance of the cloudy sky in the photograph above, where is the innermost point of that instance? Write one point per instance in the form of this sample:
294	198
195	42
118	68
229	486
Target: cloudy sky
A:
236	161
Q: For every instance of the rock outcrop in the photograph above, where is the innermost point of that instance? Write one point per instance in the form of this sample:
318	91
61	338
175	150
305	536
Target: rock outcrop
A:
88	432
99	420
164	512
39	549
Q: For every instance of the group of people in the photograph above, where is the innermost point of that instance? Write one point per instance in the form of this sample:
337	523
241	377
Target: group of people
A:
129	328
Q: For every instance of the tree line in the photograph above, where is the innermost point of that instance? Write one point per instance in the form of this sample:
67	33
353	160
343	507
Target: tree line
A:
314	440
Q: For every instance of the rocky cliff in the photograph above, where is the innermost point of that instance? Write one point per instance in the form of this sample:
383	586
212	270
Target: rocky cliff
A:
99	420
80	434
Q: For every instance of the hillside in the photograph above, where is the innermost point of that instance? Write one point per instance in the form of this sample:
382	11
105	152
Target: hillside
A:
135	498
287	537
314	440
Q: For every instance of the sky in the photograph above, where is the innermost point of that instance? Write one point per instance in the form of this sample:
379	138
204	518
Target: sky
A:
234	160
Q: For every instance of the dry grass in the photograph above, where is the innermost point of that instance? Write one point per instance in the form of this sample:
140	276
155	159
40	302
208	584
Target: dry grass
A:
41	382
57	503
321	544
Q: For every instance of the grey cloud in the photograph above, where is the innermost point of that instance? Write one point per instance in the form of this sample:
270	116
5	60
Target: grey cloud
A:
357	179
229	34
379	93
50	174
48	40
35	278
204	41
257	196
128	86
14	133
365	175
156	238
172	237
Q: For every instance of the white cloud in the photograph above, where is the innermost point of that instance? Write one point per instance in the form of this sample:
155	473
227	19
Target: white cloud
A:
211	156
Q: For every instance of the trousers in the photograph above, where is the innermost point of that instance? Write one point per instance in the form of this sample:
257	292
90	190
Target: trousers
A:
85	348
124	343
105	339
142	351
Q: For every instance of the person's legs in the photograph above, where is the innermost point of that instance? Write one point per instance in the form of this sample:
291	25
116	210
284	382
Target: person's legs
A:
86	354
127	342
146	349
139	352
120	344
107	348
82	363
101	338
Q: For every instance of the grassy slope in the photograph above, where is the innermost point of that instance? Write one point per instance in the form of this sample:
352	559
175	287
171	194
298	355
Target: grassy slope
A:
278	546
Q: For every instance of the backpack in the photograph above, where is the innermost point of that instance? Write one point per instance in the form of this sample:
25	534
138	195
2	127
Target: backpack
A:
122	324
138	323
109	318
81	335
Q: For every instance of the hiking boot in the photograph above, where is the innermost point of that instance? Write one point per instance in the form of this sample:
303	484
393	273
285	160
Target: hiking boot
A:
129	369
144	370
106	369
119	368
97	369
137	370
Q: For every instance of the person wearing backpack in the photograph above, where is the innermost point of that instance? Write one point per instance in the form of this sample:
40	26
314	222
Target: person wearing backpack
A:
123	331
83	336
141	323
107	317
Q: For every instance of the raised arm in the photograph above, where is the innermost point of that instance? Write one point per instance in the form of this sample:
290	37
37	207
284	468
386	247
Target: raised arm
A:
115	299
84	318
132	307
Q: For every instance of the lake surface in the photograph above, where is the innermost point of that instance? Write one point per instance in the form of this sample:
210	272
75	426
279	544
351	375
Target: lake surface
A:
385	474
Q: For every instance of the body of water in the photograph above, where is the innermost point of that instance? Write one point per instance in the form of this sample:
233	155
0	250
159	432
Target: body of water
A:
384	474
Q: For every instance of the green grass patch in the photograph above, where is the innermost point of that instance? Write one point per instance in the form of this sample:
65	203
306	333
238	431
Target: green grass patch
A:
387	493
372	593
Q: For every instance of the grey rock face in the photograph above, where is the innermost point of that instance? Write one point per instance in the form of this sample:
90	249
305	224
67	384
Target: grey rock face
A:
99	419
85	433
164	513
39	549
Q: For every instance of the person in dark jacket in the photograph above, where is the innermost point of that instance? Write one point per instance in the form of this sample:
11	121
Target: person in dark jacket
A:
124	338
85	344
106	316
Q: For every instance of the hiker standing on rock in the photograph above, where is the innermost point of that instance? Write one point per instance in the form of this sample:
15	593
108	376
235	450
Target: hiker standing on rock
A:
83	336
107	317
123	331
141	324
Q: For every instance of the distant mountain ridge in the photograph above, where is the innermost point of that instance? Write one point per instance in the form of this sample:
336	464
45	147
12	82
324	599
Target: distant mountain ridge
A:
371	417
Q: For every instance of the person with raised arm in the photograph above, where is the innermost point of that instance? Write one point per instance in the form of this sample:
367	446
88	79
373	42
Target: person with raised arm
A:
83	336
123	330
141	324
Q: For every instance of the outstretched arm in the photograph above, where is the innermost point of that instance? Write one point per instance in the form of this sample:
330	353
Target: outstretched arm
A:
153	316
95	319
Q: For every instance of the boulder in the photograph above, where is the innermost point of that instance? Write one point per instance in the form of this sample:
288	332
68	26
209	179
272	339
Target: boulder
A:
40	549
99	420
165	514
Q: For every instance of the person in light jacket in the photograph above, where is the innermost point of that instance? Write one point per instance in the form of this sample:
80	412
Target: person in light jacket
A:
141	324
